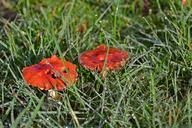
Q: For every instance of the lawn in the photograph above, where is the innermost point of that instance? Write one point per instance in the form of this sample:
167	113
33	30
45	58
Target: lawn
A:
153	89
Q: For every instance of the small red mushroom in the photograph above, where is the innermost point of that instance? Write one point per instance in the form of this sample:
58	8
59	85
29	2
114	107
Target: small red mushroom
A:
103	59
51	73
184	2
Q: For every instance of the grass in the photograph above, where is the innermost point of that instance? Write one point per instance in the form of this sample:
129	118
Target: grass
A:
152	90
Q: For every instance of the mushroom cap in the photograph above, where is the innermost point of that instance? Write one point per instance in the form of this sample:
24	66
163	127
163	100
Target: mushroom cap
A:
102	56
184	2
51	73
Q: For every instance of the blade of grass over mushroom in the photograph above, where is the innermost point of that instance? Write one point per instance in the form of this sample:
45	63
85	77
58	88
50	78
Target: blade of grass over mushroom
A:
104	68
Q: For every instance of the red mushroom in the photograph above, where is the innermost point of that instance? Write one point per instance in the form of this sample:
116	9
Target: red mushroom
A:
103	59
51	73
184	2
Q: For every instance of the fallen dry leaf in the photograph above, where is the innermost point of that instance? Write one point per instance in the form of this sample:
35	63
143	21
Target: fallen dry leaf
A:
83	26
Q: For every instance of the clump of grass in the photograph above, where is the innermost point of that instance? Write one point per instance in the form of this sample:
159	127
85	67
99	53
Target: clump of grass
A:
151	91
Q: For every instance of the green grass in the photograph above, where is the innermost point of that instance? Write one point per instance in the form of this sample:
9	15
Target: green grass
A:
152	90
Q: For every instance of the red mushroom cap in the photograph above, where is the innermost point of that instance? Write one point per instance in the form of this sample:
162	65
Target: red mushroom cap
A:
102	56
51	73
184	2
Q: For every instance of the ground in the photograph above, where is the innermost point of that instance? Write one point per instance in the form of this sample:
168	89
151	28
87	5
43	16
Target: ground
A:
154	88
